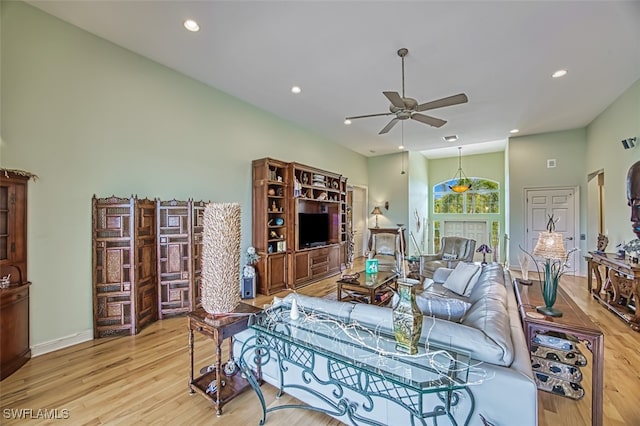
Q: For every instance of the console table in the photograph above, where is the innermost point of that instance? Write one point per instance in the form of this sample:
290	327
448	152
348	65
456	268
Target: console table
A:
621	285
573	322
348	369
218	383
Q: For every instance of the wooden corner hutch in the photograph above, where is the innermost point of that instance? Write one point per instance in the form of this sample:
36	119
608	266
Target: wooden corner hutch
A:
281	192
15	349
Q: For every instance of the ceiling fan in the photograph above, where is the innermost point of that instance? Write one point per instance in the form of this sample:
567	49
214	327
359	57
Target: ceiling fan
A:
404	108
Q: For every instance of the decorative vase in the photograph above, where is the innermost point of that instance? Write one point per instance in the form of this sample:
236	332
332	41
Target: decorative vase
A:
549	292
407	317
221	257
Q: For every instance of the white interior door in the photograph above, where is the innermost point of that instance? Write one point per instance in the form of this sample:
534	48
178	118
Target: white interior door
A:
359	218
541	203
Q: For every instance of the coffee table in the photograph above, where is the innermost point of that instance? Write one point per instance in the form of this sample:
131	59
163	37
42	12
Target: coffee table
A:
573	322
375	289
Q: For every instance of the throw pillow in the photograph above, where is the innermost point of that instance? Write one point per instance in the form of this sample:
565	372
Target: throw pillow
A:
442	307
449	256
463	278
427	283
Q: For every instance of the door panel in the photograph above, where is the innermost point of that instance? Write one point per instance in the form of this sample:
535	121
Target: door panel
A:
541	203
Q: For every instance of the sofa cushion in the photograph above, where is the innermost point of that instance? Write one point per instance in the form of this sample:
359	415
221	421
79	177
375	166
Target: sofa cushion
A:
442	307
463	278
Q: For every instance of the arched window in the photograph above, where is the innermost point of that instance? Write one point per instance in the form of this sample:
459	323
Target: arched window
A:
483	197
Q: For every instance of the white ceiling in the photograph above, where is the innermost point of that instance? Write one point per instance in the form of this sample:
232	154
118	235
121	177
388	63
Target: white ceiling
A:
343	55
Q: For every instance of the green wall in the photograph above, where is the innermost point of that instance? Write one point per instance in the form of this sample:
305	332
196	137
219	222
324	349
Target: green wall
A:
89	117
528	157
418	203
387	183
621	120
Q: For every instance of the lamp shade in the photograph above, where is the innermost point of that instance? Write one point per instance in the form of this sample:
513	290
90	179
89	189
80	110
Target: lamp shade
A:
550	246
376	210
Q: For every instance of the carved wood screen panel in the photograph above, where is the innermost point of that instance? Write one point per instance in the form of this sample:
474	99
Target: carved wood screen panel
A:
179	248
197	228
146	289
123	243
174	270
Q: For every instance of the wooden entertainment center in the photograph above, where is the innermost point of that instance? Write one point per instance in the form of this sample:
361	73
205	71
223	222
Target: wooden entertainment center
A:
299	224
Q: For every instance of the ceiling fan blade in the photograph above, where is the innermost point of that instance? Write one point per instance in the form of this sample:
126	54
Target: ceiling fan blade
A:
426	119
388	126
448	101
395	99
369	115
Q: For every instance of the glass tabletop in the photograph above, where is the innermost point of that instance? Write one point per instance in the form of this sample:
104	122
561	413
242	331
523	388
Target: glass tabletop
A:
432	369
371	280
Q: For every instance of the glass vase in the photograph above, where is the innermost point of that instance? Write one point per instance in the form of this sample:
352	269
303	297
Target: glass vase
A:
407	317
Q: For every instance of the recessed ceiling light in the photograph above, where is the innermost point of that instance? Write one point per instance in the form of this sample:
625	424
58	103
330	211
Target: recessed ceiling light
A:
512	131
400	146
451	138
296	90
559	73
347	122
191	25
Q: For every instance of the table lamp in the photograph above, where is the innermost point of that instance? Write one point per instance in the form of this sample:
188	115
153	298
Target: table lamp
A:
376	211
550	247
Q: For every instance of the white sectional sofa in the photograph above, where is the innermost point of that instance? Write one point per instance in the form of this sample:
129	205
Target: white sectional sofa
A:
490	331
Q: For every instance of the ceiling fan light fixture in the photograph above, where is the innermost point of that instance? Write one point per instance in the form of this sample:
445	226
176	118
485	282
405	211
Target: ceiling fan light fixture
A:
451	138
405	108
347	121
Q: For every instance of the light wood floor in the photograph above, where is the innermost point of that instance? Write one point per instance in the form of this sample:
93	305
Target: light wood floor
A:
143	379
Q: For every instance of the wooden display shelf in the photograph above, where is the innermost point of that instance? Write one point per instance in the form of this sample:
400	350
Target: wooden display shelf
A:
233	385
218	328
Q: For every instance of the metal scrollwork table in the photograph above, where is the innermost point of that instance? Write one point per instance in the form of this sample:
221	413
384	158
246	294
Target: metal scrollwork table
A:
348	369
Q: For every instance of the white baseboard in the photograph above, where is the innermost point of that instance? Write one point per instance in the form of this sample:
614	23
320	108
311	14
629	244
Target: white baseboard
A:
63	342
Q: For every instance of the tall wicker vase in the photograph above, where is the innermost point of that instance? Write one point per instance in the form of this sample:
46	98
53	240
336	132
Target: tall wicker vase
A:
221	257
407	317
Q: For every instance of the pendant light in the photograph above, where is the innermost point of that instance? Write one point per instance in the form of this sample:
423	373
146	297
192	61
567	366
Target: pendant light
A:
463	184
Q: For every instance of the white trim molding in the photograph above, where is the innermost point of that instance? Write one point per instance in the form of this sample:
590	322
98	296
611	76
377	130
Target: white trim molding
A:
61	343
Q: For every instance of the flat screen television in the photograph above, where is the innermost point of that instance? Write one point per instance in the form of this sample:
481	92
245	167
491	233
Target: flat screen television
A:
313	229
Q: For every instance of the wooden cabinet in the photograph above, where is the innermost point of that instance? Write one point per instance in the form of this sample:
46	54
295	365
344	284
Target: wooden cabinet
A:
14	322
125	293
270	222
15	350
317	263
284	196
13	227
179	248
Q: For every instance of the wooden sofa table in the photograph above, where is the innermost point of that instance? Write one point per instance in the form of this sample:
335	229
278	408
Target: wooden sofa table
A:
621	285
573	322
228	383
